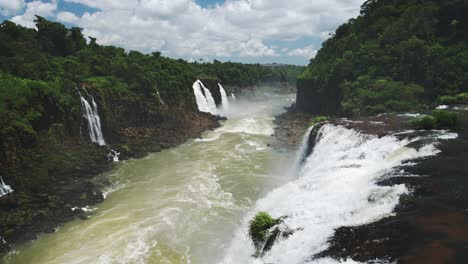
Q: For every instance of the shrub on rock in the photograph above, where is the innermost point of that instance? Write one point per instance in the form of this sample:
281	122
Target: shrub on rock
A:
445	118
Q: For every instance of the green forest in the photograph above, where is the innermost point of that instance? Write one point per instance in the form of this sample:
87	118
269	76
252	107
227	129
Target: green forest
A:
397	55
40	69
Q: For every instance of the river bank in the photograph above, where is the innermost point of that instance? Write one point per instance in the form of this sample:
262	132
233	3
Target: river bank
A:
429	224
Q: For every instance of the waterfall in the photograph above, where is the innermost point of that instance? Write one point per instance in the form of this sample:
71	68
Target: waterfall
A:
94	122
224	99
4	188
204	99
209	99
335	187
233	96
302	152
160	99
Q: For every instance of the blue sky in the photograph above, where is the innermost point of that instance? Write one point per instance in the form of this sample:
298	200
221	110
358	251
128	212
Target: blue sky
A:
248	31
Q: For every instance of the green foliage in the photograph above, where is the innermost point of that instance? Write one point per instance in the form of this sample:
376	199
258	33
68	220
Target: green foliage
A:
39	71
318	119
259	226
426	122
445	118
439	118
461	98
395	56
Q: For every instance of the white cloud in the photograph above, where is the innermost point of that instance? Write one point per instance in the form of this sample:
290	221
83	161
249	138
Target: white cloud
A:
44	9
182	28
67	17
306	52
11	7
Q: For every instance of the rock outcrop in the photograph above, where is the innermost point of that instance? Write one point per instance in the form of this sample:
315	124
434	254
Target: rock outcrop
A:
310	99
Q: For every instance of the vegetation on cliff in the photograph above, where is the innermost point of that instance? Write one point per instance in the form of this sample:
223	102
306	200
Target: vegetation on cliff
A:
395	56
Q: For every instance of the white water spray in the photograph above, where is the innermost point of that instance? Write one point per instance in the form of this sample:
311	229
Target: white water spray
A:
224	99
336	187
233	96
204	99
4	188
94	122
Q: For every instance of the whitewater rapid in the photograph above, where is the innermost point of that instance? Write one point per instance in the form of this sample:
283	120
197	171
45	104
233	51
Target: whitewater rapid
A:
336	186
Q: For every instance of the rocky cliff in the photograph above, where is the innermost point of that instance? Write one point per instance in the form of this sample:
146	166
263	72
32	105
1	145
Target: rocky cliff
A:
312	99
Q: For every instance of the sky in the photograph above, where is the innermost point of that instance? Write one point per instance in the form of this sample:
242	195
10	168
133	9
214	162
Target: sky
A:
249	31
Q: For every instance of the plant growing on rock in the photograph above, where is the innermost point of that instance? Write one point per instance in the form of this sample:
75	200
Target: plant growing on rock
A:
426	122
259	227
439	118
445	118
318	119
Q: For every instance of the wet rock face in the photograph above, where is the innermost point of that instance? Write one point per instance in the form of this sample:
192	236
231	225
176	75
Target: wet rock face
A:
290	128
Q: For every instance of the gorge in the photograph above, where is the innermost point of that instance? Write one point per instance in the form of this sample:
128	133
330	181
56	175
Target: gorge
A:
113	155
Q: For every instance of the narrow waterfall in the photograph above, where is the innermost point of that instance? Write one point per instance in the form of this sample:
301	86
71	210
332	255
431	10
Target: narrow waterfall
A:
224	99
160	99
91	114
204	99
233	96
4	188
336	187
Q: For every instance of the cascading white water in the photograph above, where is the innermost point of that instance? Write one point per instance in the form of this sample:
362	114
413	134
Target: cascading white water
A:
4	188
336	187
209	99
204	99
224	99
160	99
233	96
94	122
302	152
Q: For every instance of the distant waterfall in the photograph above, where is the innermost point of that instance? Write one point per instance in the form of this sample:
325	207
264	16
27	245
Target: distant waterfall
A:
224	99
4	188
204	99
94	122
233	96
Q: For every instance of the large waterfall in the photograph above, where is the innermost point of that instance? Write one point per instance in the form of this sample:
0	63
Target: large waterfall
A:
204	99
224	99
336	187
4	188
91	114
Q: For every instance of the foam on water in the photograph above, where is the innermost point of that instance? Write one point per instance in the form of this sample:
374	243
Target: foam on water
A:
336	187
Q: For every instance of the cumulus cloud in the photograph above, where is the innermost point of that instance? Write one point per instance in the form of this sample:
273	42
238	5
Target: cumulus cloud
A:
67	17
306	52
44	9
11	7
183	28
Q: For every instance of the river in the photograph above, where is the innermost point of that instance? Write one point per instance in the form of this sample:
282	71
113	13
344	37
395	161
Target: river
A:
181	205
193	203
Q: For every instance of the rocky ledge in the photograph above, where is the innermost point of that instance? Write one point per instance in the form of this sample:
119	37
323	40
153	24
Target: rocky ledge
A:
290	128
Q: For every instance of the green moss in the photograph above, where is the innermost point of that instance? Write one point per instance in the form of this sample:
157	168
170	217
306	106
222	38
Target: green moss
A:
445	118
318	119
427	122
439	118
259	226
